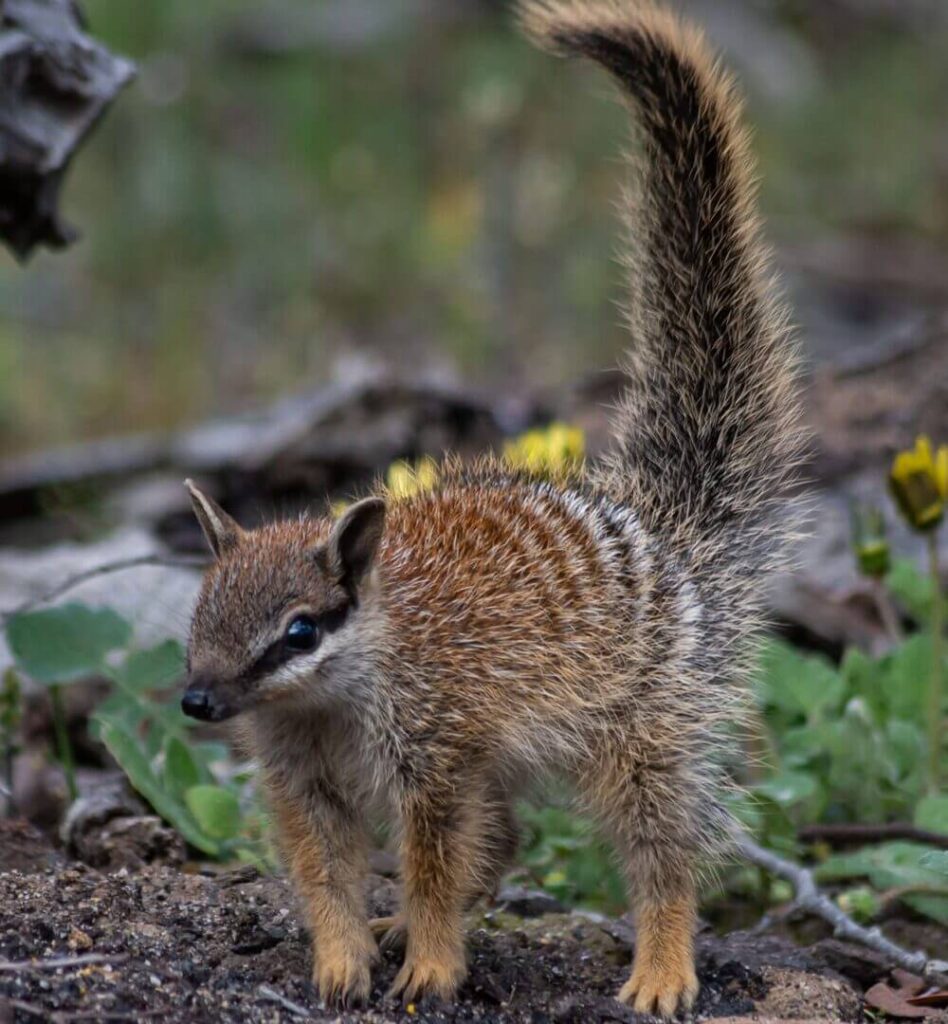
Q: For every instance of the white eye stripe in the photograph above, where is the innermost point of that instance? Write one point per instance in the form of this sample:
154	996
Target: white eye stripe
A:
302	665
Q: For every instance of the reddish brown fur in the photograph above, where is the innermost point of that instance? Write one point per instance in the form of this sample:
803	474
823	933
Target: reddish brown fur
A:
500	628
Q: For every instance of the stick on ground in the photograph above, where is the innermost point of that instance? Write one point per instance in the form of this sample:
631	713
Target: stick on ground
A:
809	899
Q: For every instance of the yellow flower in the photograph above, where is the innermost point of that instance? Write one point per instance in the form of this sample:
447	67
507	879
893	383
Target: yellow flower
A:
555	452
919	483
404	480
941	470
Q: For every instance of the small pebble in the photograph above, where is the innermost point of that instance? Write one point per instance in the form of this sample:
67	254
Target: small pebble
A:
78	940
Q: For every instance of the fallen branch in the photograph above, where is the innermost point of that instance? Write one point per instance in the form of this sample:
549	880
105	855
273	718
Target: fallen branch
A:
56	963
271	994
845	834
809	899
164	561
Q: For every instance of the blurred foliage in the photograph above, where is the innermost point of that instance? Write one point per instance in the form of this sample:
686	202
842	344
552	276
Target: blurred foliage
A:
292	181
191	783
564	855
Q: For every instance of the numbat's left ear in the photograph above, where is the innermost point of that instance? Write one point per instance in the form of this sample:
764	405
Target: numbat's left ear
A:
354	541
222	533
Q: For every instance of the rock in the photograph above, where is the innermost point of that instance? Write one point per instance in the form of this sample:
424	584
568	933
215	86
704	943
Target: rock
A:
155	598
798	994
79	941
24	848
131	842
515	899
91	811
40	793
109	829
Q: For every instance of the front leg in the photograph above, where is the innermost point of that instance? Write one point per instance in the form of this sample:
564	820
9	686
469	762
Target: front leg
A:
323	841
437	847
663	974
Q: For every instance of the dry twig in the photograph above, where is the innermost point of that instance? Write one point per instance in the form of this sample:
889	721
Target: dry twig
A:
271	994
857	833
809	899
55	963
120	565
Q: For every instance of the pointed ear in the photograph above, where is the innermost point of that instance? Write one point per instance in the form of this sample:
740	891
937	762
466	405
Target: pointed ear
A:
222	533
354	541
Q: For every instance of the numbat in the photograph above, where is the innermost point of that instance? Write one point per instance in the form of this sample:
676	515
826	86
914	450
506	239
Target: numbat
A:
432	654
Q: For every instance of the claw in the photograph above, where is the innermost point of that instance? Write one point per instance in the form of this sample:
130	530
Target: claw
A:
660	991
426	976
343	975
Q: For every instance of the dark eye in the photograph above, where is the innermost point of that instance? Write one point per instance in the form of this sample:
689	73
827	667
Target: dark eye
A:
302	634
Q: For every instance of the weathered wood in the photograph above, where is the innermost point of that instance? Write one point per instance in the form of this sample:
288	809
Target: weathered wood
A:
308	446
55	83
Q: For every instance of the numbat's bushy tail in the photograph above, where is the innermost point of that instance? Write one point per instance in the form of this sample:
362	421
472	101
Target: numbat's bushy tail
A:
708	430
437	651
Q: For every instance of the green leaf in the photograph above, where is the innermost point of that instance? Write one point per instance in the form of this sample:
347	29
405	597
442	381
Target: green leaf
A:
154	667
123	747
894	866
912	588
788	789
801	746
843	866
798	685
907	747
58	645
932	813
181	770
937	861
216	810
863	677
907	672
861	903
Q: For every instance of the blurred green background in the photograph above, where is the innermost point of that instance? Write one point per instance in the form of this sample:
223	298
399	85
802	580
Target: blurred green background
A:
292	185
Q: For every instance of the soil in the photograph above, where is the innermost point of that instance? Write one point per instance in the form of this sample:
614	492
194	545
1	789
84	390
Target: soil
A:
159	942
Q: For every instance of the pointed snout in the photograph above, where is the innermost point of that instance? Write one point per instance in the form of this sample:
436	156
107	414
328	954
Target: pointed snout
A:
201	701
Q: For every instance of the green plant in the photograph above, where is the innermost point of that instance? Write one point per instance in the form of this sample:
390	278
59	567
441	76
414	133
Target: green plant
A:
919	483
58	646
185	780
848	743
564	856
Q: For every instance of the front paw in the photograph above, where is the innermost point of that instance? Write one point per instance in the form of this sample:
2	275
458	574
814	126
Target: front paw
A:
661	988
342	971
428	975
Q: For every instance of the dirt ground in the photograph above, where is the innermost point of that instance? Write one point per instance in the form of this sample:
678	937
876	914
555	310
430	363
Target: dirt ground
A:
158	942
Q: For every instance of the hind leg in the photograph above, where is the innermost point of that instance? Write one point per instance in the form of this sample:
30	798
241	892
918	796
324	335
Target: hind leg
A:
647	803
501	839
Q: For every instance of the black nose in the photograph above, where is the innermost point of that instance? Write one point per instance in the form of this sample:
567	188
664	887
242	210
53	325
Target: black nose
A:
197	704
